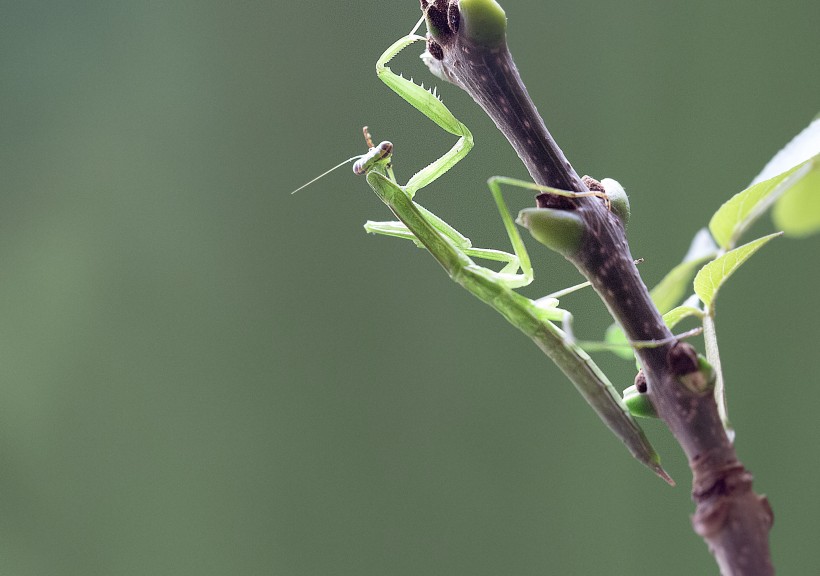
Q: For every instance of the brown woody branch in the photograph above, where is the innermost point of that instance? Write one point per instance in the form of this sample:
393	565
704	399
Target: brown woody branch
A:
731	518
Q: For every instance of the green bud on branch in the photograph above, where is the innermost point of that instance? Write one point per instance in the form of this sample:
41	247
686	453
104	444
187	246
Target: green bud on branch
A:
618	200
559	230
484	21
639	404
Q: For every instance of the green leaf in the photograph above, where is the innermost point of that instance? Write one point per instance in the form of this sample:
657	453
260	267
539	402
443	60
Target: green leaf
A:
797	213
675	284
742	209
802	147
799	216
712	276
674	316
615	336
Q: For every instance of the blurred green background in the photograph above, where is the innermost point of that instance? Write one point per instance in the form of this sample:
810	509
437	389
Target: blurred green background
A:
201	374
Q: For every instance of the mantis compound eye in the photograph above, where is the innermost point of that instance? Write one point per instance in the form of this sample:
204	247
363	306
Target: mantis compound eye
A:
373	157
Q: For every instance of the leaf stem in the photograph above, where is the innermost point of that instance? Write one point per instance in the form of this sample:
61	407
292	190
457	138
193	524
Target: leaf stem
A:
713	356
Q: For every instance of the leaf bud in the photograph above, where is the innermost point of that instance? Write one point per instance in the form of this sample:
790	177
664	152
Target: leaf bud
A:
482	21
618	200
559	230
639	404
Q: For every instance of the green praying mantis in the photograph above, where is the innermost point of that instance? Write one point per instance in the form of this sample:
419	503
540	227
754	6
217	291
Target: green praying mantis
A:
455	253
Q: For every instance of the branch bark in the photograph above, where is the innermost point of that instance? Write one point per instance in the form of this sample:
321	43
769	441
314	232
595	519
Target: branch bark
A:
467	47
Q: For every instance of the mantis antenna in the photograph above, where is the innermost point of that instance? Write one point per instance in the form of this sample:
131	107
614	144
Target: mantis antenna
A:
326	172
363	161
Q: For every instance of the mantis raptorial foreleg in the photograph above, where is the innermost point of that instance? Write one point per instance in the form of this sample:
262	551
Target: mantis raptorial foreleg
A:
455	253
428	103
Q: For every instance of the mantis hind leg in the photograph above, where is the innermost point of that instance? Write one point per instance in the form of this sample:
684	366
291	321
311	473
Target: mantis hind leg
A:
498	180
547	306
